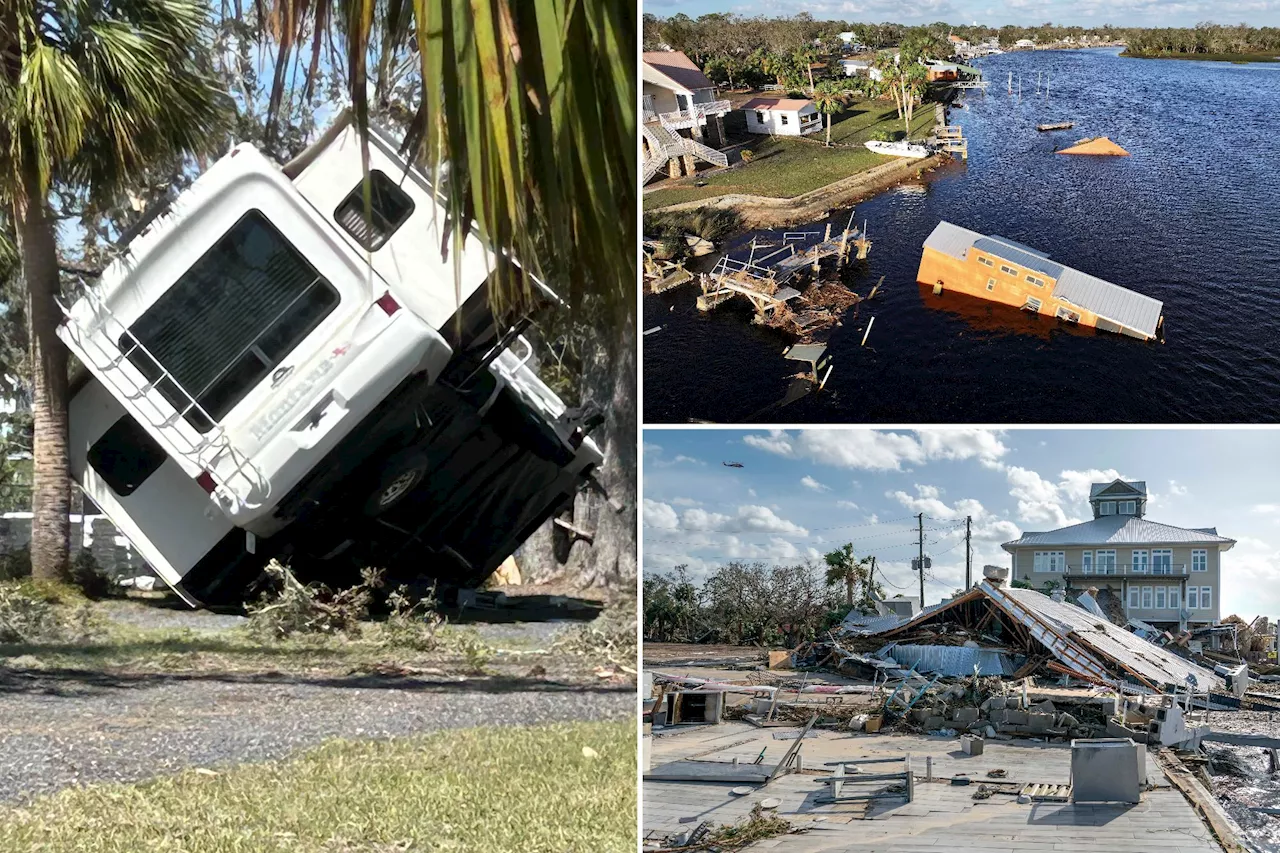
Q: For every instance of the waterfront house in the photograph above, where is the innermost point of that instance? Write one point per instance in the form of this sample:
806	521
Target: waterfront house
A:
957	43
682	118
782	116
936	71
1166	576
1001	270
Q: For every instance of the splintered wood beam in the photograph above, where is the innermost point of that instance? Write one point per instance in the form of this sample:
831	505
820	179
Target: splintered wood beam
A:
575	532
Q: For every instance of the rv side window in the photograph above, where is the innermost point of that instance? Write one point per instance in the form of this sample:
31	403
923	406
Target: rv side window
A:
389	207
230	320
125	456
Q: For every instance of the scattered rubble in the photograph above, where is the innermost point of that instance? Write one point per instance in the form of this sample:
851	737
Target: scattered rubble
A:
1008	664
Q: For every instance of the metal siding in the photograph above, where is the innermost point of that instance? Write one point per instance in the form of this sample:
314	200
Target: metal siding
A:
951	240
956	661
1108	300
1146	659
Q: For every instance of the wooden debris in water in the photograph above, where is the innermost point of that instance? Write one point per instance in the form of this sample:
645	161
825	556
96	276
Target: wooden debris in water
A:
1057	125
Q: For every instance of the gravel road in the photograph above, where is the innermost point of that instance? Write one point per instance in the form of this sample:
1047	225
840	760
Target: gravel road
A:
66	728
59	731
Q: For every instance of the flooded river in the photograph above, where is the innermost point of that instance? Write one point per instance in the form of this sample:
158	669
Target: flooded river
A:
1191	218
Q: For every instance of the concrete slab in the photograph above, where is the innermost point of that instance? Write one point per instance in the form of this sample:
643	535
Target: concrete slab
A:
942	816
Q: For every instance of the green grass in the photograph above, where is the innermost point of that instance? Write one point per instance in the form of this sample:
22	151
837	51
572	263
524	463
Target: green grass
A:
121	649
492	789
785	167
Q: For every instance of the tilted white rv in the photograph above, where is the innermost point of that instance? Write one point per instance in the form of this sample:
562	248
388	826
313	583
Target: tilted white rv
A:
274	373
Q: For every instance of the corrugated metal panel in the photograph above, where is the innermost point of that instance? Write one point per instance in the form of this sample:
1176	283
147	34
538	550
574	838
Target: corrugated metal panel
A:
1148	660
1015	244
1014	255
950	660
1119	530
1108	300
951	239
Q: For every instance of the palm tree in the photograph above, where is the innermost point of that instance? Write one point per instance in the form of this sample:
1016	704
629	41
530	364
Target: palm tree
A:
89	95
887	65
912	84
829	97
843	567
528	128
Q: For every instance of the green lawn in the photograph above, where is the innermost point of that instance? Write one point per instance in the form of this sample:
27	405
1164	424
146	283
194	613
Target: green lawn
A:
784	167
567	788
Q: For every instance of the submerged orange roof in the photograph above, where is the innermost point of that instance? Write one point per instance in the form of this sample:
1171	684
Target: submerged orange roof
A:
1102	145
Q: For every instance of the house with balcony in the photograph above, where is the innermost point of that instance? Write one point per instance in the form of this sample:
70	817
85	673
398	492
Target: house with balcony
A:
1167	576
683	120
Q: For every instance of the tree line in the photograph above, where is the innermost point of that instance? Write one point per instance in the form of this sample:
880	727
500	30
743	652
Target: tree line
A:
723	37
757	603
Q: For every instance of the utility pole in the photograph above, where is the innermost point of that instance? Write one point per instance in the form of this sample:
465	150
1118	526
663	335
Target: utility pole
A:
968	555
920	519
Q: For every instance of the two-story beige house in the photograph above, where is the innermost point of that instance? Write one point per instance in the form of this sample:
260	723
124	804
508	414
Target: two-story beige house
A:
1167	576
682	119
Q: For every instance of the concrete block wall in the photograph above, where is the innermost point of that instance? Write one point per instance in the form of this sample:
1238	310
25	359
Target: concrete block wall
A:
93	533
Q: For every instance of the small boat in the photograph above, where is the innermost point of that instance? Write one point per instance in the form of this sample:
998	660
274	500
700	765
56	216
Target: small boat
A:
1061	125
901	148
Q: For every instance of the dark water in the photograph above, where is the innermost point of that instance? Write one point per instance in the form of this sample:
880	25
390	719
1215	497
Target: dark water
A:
1191	218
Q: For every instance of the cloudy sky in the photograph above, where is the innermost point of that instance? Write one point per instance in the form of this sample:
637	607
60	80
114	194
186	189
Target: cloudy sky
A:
801	493
1088	13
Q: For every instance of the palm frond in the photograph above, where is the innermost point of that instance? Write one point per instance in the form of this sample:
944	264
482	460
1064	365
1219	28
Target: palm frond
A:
525	121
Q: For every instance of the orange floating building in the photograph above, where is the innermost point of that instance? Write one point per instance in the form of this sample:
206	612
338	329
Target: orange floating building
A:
1002	270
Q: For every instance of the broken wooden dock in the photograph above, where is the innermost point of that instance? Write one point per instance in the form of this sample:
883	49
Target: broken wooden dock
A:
766	280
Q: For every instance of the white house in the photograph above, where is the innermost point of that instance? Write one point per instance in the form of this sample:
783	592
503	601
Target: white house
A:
860	67
782	116
1024	43
679	96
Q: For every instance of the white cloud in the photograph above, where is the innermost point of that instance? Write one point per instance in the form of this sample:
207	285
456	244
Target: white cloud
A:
659	515
1177	489
685	502
1038	499
1075	484
748	519
879	450
846	505
810	483
927	500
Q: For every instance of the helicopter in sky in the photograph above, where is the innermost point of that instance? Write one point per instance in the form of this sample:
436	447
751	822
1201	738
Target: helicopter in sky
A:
732	464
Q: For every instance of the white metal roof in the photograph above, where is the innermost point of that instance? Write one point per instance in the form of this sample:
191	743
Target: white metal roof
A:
1121	530
1109	301
1096	489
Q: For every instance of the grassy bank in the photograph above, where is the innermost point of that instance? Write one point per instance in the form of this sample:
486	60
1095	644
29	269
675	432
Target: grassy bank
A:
785	167
1208	57
553	787
100	638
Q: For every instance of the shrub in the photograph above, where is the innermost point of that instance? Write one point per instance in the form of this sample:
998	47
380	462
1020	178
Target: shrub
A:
39	613
92	579
746	154
290	607
611	637
413	624
15	564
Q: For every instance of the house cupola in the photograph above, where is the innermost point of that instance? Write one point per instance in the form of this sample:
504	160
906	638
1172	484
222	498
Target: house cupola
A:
1119	497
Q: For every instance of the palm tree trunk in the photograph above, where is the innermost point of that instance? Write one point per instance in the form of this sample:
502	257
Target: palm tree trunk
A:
828	130
50	484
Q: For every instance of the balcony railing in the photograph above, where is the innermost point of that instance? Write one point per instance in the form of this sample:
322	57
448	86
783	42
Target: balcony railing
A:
694	115
1127	571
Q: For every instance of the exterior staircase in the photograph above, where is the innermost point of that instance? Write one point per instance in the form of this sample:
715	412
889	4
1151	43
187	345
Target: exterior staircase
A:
665	144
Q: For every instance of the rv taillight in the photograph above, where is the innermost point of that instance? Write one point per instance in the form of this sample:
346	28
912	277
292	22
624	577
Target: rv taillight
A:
206	482
388	303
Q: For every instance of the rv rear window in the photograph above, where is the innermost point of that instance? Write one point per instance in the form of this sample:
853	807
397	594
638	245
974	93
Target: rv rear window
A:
227	323
389	207
125	456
